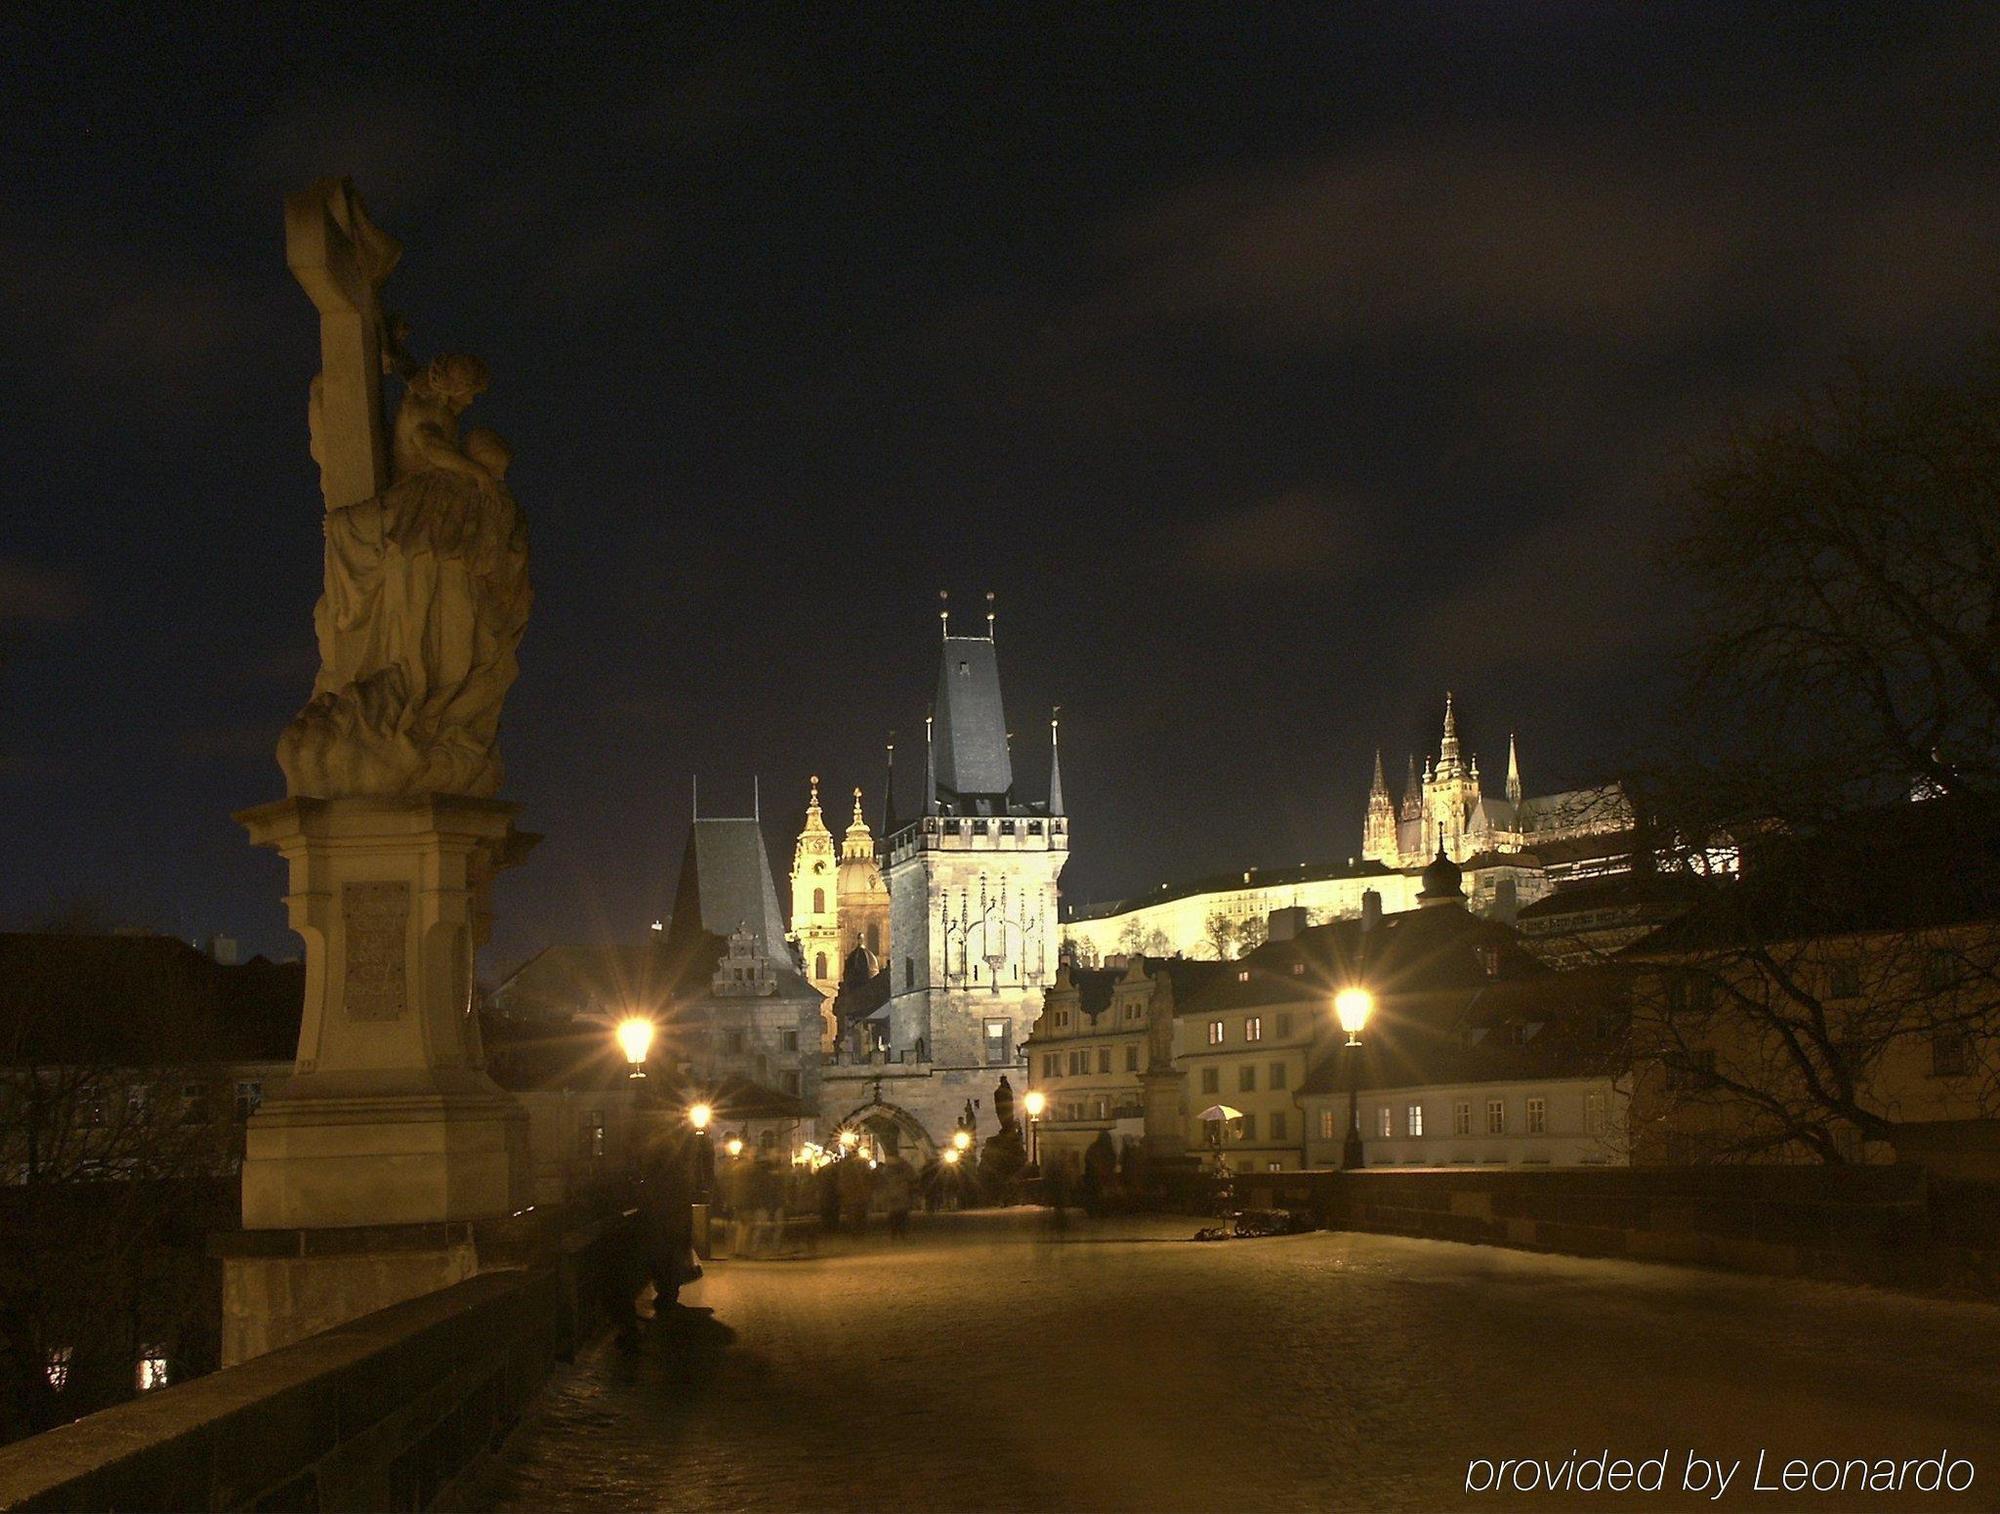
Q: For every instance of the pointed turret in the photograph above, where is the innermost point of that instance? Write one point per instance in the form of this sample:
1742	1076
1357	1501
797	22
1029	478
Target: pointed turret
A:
1513	773
1378	832
1413	792
1381	784
1448	761
889	792
1055	764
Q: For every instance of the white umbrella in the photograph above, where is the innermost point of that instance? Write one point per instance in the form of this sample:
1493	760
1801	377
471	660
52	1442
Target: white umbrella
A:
1220	1112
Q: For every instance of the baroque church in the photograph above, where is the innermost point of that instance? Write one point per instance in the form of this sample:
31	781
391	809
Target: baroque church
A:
944	953
1447	810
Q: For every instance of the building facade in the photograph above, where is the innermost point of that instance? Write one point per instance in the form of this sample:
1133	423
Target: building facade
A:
972	941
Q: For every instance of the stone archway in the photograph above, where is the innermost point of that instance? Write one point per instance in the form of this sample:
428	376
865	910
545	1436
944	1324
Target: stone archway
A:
894	1128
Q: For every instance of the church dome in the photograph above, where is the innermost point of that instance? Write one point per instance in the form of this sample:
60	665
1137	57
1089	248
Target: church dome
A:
1443	881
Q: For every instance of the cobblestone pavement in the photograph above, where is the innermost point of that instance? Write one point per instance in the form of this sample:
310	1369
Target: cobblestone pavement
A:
986	1363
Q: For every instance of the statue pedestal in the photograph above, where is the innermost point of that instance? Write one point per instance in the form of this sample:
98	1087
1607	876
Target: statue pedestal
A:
389	1122
1166	1124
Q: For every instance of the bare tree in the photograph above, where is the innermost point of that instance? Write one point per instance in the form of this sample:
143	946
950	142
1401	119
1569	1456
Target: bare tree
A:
1220	933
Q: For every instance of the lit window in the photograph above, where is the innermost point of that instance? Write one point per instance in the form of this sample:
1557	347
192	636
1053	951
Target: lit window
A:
1414	1119
1383	1121
55	1367
999	1043
1538	1116
152	1370
1326	1131
1275	1166
1461	1117
1593	1113
1243	975
1496	1116
1214	1032
1298	969
1253	1029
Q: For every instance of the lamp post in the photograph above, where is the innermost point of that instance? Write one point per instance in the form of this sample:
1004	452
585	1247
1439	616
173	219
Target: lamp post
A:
635	1040
1353	1006
1035	1103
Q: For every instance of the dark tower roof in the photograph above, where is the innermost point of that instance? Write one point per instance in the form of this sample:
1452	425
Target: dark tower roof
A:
1443	881
970	737
726	886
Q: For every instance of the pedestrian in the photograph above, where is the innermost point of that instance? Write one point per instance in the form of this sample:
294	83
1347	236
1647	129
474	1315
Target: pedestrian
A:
666	1214
767	1206
897	1183
857	1182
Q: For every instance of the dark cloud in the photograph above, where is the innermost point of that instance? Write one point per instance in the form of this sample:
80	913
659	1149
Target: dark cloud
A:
30	592
1298	535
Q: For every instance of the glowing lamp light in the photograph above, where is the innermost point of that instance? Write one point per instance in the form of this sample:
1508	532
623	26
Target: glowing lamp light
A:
1036	1102
734	1146
699	1115
849	1139
1353	1006
635	1039
951	1156
961	1140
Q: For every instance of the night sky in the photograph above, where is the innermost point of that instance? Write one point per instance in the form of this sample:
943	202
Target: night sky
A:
1277	373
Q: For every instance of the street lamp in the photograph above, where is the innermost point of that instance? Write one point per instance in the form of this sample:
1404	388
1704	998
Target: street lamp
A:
950	1156
635	1039
849	1140
699	1115
1352	1006
1035	1103
961	1140
734	1146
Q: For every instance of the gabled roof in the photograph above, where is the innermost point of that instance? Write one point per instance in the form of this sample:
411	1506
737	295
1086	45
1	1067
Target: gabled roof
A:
139	1001
970	733
726	886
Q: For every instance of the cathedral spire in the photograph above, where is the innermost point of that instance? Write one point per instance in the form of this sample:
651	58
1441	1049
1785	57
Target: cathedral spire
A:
1448	749
1055	763
1513	772
1381	784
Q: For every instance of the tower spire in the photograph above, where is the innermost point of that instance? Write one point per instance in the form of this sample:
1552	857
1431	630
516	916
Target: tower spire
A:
1448	763
930	767
1055	762
889	793
1513	772
944	611
1381	784
989	614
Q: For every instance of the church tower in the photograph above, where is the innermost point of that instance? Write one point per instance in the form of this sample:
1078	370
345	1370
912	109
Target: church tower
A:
815	900
862	896
972	884
1378	835
1451	794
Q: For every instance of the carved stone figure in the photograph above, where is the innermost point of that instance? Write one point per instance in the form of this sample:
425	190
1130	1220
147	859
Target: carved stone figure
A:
426	591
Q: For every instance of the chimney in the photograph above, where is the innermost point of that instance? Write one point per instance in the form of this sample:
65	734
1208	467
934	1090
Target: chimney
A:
1371	909
1285	924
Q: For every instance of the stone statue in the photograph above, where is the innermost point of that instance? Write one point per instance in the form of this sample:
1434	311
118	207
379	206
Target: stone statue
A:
1003	1104
426	592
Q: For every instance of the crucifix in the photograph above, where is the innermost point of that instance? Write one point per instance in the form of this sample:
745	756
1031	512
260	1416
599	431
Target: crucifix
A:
342	259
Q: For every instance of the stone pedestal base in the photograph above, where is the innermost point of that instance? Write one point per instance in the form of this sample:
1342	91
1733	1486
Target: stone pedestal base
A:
1166	1126
359	1173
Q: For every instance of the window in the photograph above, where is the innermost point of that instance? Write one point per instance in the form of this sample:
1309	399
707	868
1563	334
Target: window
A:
791	1082
1051	1064
819	965
1104	1059
1249	1127
1951	1054
1253	1029
788	1040
999	1042
1062	1019
1075	1063
590	1137
249	1097
1496	1116
1131	1059
1593	1113
194	1104
55	1367
1326	1131
1278	1125
1843	981
1103	1107
1413	1120
819	901
1538	1117
1278	1076
1243	975
1246	1079
1211	1080
1274	1166
909	972
1383	1121
1298	969
152	1371
1284	1026
1461	1117
766	1139
1214	1032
